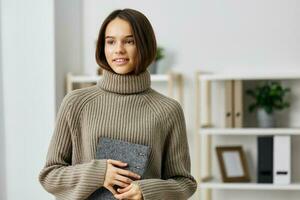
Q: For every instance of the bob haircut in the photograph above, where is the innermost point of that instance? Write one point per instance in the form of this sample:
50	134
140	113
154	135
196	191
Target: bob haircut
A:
143	35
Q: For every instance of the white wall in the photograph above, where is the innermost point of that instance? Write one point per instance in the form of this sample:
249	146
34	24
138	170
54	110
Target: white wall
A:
217	36
2	139
68	43
28	93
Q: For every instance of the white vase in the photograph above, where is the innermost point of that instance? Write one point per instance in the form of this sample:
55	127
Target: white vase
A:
264	119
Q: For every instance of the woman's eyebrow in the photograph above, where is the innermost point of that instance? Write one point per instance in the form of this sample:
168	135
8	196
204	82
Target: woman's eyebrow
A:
127	36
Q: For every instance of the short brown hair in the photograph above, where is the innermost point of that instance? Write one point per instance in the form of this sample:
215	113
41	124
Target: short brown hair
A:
143	35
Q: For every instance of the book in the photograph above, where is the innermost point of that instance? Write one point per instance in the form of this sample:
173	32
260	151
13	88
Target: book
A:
135	155
229	104
265	159
238	104
282	160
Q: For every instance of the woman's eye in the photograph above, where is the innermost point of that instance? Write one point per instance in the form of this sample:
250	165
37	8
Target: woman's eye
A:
130	41
110	41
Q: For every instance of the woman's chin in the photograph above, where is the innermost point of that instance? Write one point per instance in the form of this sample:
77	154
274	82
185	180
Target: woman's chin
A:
122	70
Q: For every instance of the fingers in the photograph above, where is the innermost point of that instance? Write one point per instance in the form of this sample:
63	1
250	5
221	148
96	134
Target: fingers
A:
126	189
116	176
117	163
128	173
123	179
126	195
122	171
131	192
121	184
112	190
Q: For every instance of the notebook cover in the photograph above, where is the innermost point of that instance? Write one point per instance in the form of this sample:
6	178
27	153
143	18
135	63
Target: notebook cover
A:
136	155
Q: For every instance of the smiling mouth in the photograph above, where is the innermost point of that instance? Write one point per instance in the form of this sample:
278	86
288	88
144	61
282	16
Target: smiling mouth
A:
121	61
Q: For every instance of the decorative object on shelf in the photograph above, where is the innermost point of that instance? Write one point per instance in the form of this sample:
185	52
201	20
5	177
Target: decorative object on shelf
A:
268	98
159	56
233	164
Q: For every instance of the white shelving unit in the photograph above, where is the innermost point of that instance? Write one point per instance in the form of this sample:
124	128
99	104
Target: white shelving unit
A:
205	132
248	186
174	82
249	131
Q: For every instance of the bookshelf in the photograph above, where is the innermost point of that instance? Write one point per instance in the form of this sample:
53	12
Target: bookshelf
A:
173	80
205	131
247	186
249	131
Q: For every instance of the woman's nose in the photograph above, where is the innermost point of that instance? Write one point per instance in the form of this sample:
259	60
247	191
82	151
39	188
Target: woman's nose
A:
120	48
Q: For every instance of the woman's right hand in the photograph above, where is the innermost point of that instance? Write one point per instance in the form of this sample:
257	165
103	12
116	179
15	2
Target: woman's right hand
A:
117	176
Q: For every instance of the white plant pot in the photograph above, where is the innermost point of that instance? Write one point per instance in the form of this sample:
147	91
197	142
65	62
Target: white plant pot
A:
264	119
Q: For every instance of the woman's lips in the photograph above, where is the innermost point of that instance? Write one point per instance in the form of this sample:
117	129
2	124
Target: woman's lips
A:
121	61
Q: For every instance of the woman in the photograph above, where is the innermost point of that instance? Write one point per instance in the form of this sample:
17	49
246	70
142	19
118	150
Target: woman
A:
121	106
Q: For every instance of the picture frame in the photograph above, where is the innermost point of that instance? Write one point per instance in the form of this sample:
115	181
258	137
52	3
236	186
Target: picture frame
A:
233	164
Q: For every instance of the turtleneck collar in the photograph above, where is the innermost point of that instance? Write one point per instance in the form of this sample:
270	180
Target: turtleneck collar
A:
124	84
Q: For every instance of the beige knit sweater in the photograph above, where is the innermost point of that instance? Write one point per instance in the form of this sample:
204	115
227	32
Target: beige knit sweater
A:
121	107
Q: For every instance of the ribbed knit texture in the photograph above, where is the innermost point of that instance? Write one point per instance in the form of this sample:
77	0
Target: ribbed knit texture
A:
122	107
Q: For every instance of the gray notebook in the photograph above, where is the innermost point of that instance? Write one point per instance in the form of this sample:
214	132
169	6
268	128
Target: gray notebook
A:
136	155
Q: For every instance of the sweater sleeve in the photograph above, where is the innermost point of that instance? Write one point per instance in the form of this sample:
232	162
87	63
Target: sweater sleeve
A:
59	176
177	183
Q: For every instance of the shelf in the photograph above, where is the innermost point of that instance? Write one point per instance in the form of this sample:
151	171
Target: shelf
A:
249	131
160	77
246	76
204	146
248	186
85	79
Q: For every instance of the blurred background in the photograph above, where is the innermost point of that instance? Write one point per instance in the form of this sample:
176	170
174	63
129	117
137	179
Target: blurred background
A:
43	40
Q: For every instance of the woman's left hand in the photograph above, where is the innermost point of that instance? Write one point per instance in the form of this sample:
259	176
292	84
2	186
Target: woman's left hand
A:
131	192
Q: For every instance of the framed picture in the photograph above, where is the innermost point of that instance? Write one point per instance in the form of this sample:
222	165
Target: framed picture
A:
233	164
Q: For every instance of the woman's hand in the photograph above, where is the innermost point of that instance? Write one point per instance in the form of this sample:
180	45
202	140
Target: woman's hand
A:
117	176
131	192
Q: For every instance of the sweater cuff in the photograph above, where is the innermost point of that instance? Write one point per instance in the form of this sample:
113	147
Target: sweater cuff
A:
149	189
98	172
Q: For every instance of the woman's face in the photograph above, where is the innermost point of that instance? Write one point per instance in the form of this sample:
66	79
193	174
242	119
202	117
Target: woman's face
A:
120	49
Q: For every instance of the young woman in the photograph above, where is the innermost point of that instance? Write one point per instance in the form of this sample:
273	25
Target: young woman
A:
121	106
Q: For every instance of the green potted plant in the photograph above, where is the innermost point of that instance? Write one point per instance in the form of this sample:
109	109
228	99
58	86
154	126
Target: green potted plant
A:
268	97
159	56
